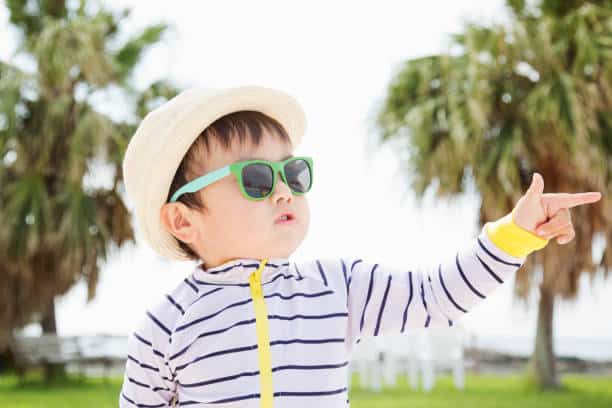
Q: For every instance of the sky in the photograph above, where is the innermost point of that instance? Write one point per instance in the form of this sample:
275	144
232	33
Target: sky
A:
337	59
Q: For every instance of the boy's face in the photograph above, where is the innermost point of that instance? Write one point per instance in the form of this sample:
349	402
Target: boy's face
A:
232	226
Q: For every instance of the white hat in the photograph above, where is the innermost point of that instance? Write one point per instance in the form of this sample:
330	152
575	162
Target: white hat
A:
166	133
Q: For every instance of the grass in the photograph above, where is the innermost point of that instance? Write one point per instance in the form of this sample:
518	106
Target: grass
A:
481	391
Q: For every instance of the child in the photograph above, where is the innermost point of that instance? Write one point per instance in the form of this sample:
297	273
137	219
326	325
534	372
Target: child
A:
213	177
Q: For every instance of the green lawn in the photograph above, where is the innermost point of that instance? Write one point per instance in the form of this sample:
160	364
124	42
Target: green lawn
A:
481	391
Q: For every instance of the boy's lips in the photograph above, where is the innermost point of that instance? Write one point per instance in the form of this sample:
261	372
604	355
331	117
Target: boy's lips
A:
284	218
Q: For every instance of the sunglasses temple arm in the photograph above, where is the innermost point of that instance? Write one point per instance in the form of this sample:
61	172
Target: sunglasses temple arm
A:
201	182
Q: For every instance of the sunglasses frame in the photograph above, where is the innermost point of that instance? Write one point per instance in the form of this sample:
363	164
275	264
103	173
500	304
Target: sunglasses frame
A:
236	169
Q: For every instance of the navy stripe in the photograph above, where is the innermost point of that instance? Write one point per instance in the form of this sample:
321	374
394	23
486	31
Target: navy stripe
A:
216	353
138	382
205	294
142	364
160	324
254	347
425	305
497	278
148	343
175	303
448	295
477	293
322	272
345	278
141	405
251	265
369	295
351	275
256	372
243	302
204	283
308	341
495	257
201	319
407	304
308	295
210	333
450	323
250	321
280	275
276	394
298	272
308	393
314	317
191	285
382	306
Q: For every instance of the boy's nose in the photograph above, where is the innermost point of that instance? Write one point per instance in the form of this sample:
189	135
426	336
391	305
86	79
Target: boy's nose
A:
281	190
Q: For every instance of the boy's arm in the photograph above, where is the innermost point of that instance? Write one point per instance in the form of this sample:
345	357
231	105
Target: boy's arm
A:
385	300
147	380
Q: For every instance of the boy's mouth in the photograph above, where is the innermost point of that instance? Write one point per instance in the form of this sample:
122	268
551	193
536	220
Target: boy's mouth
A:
284	218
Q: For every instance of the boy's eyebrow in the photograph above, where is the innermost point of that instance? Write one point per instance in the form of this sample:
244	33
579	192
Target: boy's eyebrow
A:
258	158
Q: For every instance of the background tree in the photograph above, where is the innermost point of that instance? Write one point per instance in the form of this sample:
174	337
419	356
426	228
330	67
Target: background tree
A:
506	100
55	230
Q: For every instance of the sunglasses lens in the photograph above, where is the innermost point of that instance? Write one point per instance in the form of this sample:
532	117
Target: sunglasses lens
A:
257	179
298	175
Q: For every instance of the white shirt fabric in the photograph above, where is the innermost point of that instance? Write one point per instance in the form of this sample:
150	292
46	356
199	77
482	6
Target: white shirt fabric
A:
199	342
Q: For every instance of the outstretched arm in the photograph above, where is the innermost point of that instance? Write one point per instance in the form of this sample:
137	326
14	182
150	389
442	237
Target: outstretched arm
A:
386	300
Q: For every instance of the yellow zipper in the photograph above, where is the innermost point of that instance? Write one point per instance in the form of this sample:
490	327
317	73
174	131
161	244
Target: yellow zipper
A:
263	337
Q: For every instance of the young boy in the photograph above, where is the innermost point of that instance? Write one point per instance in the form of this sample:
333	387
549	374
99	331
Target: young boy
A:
214	178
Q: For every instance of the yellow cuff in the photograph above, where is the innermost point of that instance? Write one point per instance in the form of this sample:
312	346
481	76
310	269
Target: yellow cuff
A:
511	238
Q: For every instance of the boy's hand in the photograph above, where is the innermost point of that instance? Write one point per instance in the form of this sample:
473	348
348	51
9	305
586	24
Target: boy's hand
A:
548	215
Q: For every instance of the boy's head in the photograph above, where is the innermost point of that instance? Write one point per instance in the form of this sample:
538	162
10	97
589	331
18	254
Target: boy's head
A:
217	223
185	214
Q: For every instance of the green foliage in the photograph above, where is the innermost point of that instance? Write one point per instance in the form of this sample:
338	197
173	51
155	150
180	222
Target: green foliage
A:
55	228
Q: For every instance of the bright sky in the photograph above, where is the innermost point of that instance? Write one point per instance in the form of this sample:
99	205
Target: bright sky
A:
336	58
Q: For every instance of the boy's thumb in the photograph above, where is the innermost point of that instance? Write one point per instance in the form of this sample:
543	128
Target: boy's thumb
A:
537	185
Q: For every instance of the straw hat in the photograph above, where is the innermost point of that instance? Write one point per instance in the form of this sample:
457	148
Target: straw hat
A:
166	133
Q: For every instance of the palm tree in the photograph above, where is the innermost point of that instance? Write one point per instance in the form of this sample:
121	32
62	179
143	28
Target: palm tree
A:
56	229
507	100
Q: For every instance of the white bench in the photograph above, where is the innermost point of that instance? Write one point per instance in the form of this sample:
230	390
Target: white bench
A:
50	349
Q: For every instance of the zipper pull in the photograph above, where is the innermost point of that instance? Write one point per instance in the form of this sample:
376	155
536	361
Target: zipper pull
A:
255	285
255	280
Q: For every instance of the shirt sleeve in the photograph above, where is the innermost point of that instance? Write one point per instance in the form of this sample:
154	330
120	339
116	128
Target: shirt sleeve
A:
147	381
383	300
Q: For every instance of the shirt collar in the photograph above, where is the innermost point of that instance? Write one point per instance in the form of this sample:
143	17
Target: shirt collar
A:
238	270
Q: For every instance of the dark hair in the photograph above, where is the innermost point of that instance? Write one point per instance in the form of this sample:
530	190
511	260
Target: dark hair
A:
240	126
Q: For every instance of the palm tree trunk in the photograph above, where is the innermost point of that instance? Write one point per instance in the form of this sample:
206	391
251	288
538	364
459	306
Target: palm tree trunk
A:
48	324
543	365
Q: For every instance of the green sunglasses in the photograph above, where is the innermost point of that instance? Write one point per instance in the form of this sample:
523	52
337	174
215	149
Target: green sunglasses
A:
257	178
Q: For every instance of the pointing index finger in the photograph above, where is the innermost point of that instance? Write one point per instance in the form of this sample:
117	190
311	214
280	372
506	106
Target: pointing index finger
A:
556	201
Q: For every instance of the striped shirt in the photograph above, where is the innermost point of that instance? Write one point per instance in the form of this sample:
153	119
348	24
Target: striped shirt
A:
199	343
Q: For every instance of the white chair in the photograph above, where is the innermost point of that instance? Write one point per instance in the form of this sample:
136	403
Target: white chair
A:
442	349
379	360
366	362
400	356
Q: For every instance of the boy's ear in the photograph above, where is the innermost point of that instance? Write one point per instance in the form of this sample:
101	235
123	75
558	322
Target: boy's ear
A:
178	220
